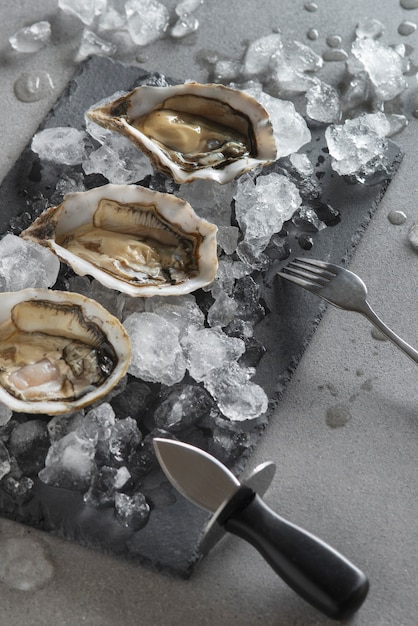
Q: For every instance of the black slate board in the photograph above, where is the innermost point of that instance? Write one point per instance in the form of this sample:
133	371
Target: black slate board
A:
170	540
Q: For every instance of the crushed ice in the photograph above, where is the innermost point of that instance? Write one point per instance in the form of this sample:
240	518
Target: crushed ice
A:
195	356
32	38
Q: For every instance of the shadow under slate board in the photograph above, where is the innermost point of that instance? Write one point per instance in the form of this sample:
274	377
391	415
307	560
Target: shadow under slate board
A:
170	539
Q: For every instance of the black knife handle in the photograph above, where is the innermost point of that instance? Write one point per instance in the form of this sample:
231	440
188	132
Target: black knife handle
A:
313	569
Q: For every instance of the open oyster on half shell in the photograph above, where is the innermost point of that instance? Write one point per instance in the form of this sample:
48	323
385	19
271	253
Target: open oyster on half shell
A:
59	351
132	239
193	130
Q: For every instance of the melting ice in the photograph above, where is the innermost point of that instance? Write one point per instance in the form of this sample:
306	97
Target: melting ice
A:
31	38
194	356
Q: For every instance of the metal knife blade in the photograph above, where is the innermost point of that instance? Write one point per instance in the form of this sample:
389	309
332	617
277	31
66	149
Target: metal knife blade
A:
317	572
200	477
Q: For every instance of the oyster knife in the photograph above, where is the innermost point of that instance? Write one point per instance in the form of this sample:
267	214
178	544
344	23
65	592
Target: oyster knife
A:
317	572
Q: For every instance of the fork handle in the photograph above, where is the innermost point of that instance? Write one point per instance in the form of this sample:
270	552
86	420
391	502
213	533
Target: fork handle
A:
375	319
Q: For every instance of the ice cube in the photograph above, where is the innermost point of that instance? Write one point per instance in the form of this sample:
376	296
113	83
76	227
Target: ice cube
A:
323	102
185	7
290	129
67	184
383	65
133	305
125	438
292	66
32	38
229	445
84	11
157	354
302	164
359	146
104	484
60	145
112	19
182	407
369	28
201	194
97	424
147	20
413	236
133	400
222	311
226	70
208	349
69	463
238	398
144	460
20	490
29	444
26	264
93	44
184	315
132	511
307	220
247	296
61	425
185	25
397	123
110	299
19	258
228	272
262	206
118	160
258	54
227	238
94	130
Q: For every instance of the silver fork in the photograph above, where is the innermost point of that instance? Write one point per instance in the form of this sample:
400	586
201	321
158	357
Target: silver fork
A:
343	289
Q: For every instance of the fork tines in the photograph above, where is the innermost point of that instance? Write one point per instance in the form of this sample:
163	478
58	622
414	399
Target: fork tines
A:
308	273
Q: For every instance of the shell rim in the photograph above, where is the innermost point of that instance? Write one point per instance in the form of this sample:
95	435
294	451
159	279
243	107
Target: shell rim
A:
105	320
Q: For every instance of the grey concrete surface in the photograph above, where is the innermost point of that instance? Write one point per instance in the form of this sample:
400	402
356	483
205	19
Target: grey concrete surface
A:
355	486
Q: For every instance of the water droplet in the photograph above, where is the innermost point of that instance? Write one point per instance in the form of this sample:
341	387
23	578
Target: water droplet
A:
33	86
397	217
25	564
409	4
312	34
337	416
335	54
311	7
369	28
406	28
334	41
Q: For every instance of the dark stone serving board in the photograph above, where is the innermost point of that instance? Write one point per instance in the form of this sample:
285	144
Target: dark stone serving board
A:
170	540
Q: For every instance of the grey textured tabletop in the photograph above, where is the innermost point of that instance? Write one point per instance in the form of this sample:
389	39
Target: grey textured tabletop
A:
355	485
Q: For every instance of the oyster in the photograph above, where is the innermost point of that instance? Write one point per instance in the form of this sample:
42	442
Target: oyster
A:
193	130
131	239
59	351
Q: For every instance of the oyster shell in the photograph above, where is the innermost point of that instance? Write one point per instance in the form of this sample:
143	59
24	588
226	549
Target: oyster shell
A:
193	130
131	239
59	351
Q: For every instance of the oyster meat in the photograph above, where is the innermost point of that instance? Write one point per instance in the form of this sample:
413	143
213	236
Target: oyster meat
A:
131	239
193	130
59	351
